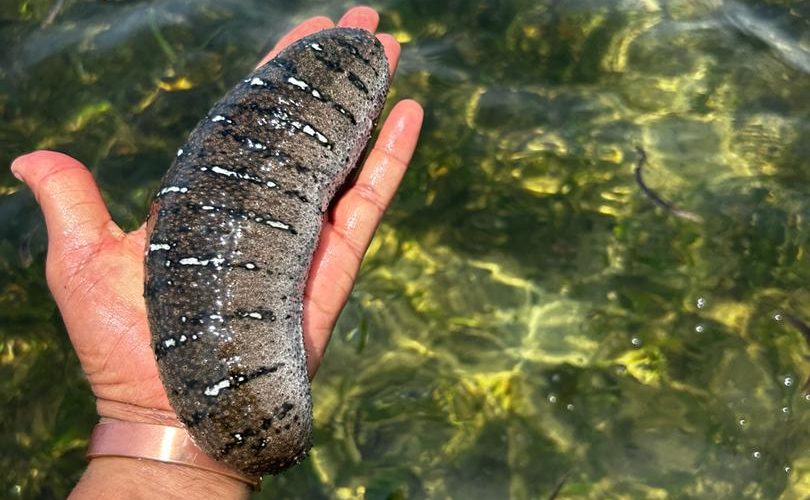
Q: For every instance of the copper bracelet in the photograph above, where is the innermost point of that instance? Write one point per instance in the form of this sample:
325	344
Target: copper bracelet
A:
161	443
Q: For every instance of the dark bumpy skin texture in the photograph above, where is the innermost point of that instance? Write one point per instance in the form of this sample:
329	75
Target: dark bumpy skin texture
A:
231	235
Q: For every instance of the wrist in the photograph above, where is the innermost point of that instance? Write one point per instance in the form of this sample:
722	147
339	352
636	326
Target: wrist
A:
149	449
127	412
122	477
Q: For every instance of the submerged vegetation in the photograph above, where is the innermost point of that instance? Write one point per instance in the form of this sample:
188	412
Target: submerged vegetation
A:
527	323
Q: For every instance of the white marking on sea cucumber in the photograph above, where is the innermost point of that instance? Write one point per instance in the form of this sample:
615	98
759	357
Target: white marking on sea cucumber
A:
256	81
179	151
169	343
220	118
214	389
238	437
255	145
301	84
277	224
250	265
255	315
307	129
316	46
215	316
159	246
316	93
172	189
183	319
224	171
231	173
207	207
183	338
194	261
271	184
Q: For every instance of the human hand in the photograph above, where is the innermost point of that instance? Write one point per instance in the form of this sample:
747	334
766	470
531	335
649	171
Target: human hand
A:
95	270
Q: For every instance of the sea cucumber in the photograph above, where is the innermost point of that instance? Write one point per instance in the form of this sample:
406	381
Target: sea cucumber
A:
231	235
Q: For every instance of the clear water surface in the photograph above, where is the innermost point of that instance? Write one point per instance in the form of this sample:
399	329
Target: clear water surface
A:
527	319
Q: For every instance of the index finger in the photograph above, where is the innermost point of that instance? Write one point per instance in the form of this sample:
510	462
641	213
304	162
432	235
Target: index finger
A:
358	212
359	17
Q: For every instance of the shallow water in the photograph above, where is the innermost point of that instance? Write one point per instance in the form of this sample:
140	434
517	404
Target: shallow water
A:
527	318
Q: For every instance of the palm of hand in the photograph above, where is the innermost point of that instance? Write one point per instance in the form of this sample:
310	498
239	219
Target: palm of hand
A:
99	289
96	272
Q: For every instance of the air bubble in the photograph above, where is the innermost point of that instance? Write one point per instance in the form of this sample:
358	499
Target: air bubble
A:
701	303
788	381
756	454
699	329
636	341
552	398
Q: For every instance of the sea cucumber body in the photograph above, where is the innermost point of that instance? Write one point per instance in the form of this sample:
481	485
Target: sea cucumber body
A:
231	235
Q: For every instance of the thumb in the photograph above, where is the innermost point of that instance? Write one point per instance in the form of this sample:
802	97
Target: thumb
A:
75	214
